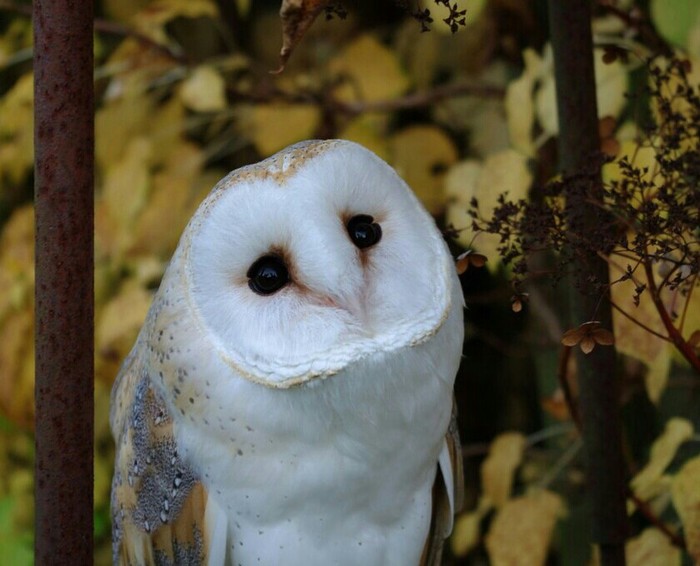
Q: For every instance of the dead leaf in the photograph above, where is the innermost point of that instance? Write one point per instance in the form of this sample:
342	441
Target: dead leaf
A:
297	17
685	494
647	483
587	335
498	470
465	259
521	532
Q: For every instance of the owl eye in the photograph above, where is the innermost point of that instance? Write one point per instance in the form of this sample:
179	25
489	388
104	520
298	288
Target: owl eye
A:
364	231
267	275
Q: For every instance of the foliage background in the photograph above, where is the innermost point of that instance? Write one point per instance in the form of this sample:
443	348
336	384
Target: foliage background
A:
185	95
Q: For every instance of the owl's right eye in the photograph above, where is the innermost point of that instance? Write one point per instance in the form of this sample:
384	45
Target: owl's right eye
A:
364	231
267	275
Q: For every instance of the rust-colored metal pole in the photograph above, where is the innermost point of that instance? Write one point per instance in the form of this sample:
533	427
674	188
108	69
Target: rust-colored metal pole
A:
64	140
579	145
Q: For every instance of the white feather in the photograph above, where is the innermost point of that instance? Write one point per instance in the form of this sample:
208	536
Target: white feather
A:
315	416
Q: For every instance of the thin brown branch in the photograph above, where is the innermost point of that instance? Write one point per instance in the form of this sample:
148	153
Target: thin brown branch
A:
639	323
686	306
644	509
324	98
563	377
674	334
422	98
114	28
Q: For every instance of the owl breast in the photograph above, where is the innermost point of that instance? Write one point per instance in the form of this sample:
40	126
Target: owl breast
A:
338	471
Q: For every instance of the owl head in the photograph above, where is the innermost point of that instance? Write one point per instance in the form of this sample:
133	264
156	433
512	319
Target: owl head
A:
311	259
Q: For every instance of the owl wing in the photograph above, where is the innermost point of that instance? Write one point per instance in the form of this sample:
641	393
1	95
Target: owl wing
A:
448	494
161	513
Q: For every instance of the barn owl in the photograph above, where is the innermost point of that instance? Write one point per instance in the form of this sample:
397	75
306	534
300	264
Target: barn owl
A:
289	399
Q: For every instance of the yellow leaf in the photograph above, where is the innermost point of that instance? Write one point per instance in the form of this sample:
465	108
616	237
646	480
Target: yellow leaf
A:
521	532
117	326
152	19
17	366
204	90
648	483
635	341
465	534
116	123
17	130
685	493
519	104
498	470
372	71
503	172
440	12
642	157
123	10
369	131
243	7
17	261
652	548
272	127
460	185
611	86
422	155
172	202
124	194
165	127
669	84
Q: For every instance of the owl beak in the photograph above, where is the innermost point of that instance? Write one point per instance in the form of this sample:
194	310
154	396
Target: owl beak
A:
357	311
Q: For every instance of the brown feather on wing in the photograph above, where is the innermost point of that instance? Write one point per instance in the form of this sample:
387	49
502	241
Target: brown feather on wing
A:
158	504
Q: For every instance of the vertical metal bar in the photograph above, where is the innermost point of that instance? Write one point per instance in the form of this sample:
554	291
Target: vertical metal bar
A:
64	139
579	144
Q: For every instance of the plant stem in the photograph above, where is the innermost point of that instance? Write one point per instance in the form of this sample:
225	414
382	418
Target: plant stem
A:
674	334
570	29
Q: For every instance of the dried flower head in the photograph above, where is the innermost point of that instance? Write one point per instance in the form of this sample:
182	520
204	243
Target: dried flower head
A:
470	258
587	336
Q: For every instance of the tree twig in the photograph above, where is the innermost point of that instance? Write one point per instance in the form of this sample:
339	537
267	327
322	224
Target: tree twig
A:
644	509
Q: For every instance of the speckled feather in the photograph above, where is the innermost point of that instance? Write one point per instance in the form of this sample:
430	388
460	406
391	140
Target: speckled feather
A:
311	427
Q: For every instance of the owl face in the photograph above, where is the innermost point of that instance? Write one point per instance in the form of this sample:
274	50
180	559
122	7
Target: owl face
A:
312	259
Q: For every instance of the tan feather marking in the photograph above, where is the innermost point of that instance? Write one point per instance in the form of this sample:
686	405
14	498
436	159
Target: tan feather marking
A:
442	512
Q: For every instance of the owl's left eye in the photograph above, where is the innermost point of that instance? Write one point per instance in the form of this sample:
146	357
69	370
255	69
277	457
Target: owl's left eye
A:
267	275
364	231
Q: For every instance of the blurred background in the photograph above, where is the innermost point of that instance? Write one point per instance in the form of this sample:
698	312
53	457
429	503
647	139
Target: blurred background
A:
463	110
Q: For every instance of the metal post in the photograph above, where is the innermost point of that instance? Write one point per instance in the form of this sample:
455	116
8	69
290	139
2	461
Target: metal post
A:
64	140
579	145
